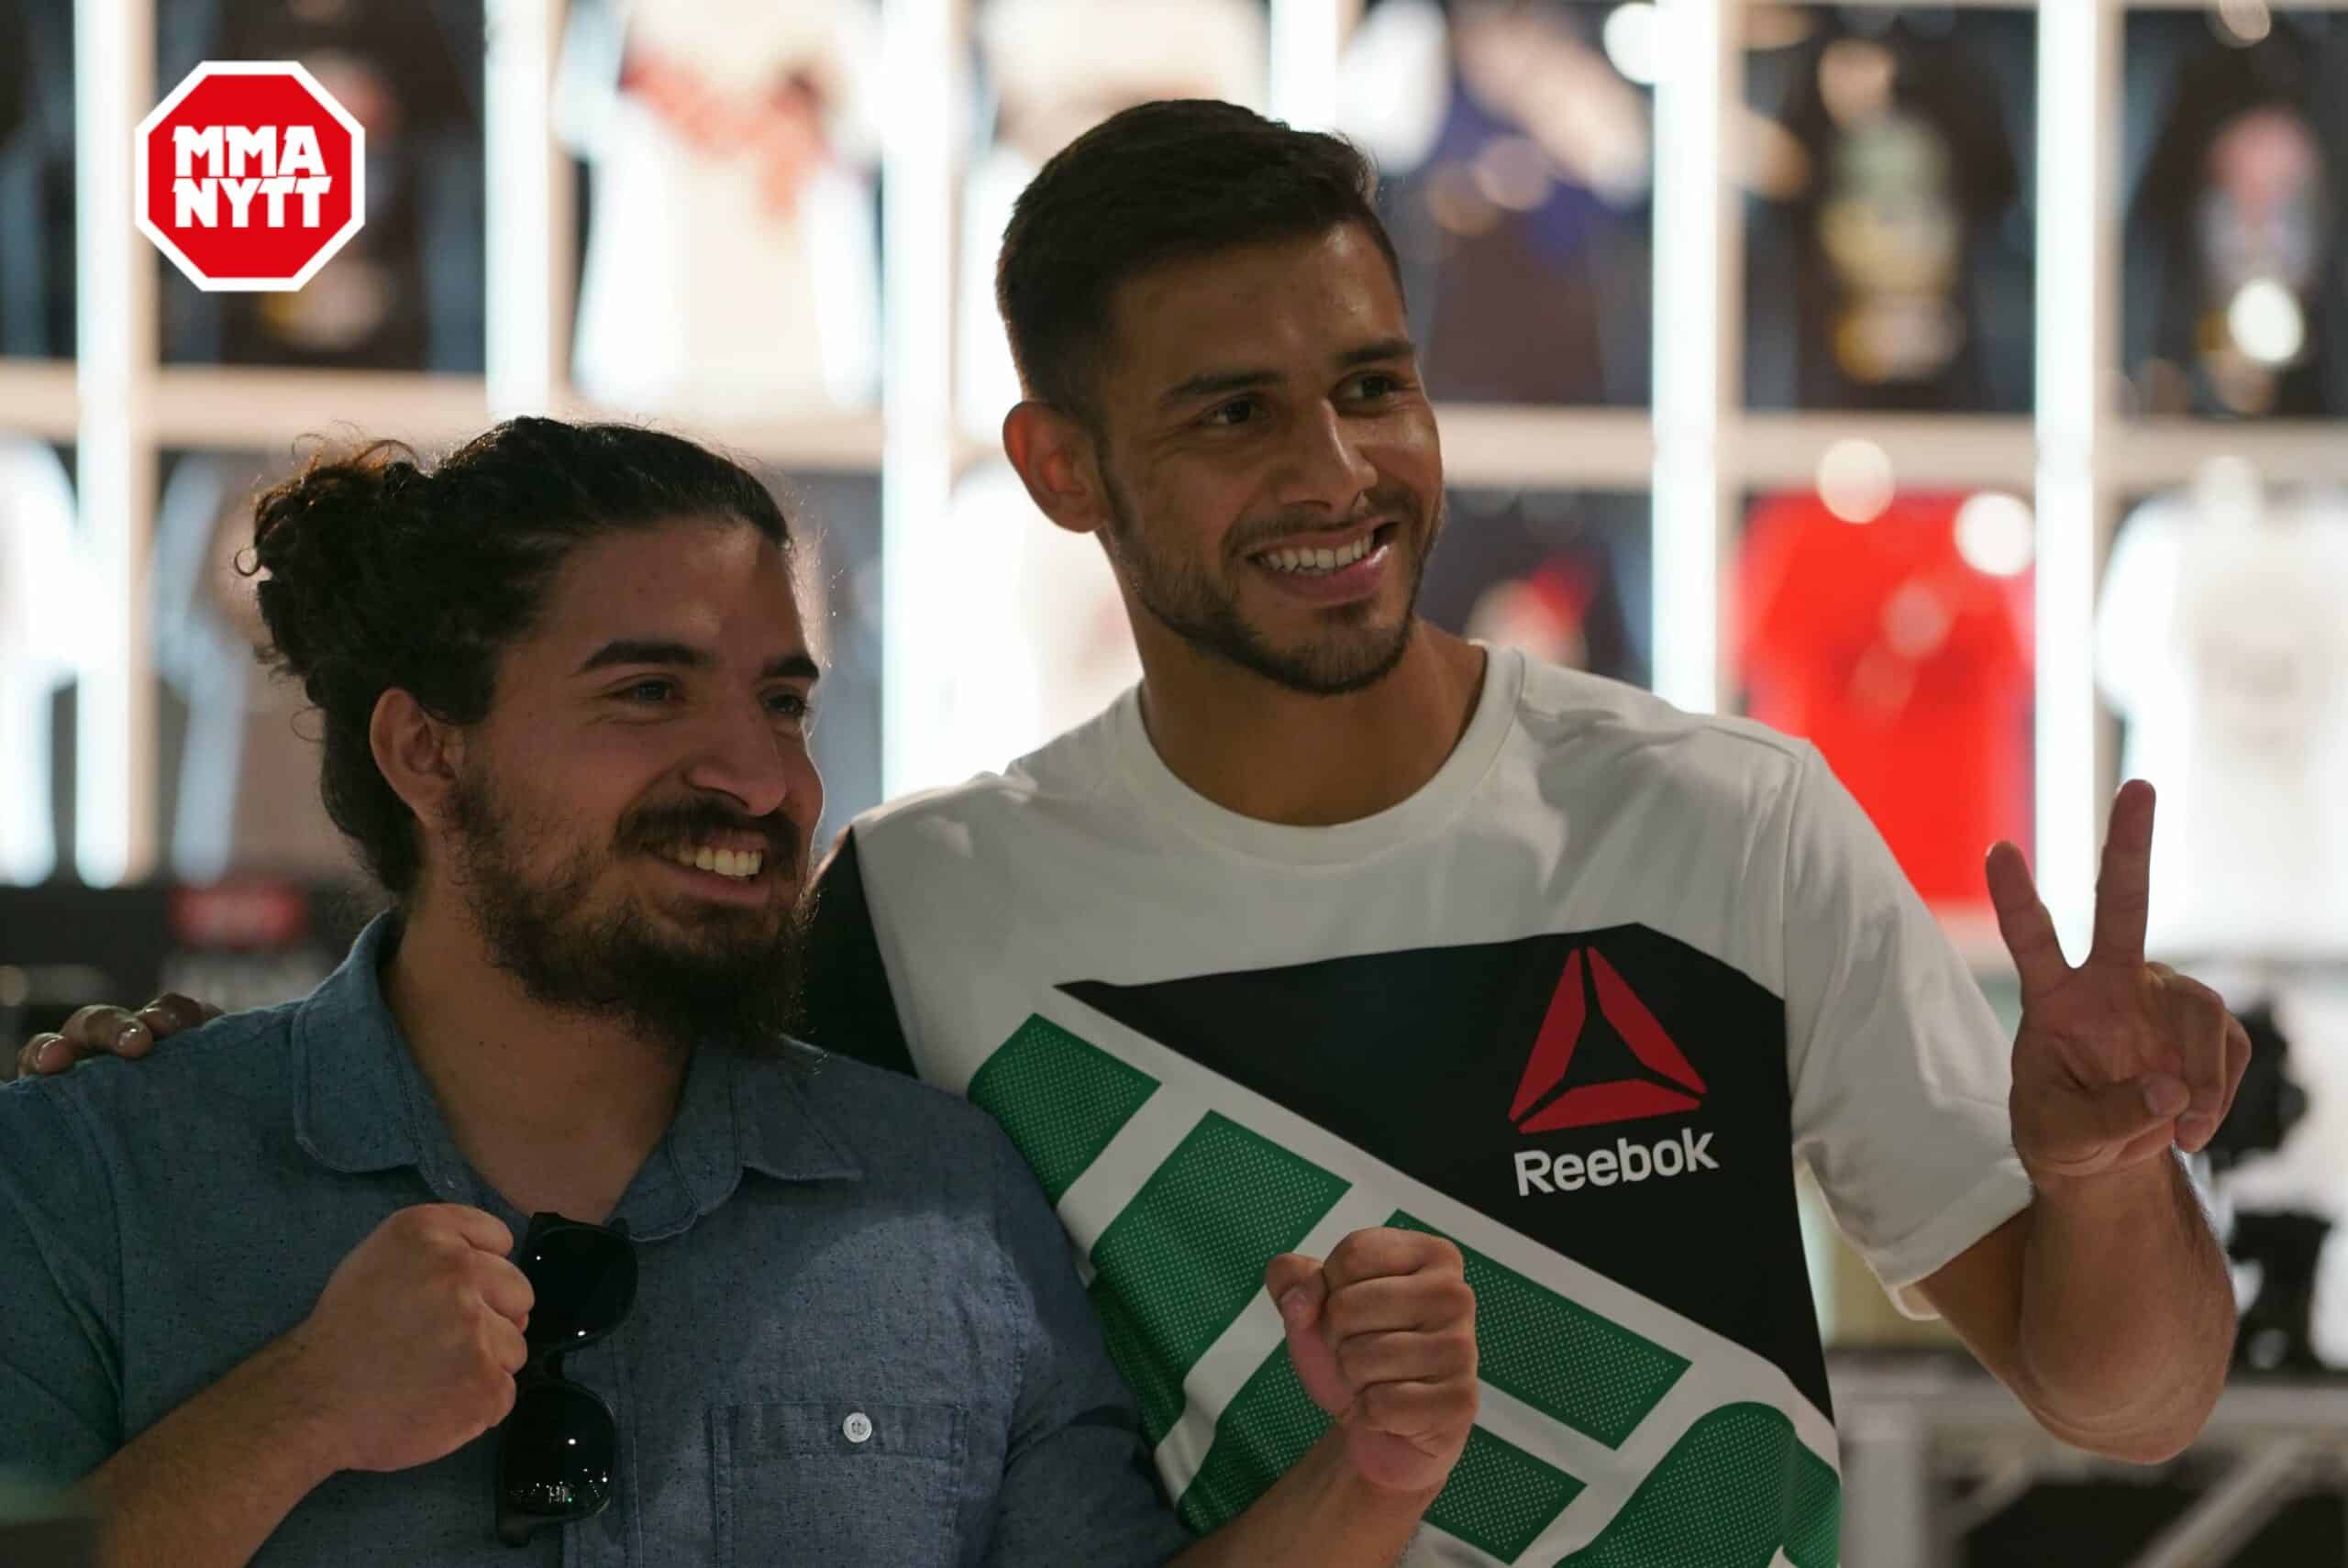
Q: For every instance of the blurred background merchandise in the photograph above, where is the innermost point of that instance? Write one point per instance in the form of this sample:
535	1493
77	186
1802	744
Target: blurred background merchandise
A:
1954	385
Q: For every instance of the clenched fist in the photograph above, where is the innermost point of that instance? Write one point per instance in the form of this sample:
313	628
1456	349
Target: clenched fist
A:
1383	1336
411	1350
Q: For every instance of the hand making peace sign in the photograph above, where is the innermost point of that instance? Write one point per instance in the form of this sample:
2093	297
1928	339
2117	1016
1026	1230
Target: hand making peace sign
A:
2116	1059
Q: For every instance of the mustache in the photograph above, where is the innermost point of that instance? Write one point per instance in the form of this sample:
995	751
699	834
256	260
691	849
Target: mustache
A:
655	827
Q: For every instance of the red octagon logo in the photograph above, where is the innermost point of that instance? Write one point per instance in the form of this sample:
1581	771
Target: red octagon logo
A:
249	176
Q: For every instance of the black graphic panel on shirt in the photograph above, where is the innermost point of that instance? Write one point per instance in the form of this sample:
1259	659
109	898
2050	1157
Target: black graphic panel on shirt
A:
1616	1095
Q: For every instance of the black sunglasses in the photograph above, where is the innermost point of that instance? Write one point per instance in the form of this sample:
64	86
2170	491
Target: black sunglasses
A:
558	1449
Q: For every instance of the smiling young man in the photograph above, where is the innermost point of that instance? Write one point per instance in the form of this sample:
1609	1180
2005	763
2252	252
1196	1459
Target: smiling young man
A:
258	1296
1337	921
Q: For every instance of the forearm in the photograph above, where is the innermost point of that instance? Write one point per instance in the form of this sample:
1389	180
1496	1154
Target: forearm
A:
2127	1317
1322	1512
207	1485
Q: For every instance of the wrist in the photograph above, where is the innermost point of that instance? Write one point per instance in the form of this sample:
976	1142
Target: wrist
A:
281	1400
2110	1193
1353	1494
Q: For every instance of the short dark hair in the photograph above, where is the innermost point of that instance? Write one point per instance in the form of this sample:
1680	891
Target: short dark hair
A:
1159	183
377	575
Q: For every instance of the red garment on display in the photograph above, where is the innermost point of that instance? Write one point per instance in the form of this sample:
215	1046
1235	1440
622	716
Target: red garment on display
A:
1909	667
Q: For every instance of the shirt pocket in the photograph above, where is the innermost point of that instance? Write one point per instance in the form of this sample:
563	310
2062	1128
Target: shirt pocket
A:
839	1484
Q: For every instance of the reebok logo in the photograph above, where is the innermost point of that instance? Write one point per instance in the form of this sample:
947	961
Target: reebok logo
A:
1591	990
1626	1162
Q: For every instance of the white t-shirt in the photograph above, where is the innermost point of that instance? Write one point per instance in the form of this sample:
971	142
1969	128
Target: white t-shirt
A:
697	298
1577	1004
2224	644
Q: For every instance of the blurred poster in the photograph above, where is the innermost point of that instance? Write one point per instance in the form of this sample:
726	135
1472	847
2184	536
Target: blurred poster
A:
1039	633
1562	577
44	589
244	793
37	281
407	291
732	267
2231	302
244	943
1897	638
1516	158
1888	259
1050	70
2222	640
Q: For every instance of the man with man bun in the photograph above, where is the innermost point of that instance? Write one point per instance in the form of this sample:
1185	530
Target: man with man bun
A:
533	1225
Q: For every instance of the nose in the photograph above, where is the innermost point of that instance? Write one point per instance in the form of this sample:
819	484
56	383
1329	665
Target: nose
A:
761	769
1326	465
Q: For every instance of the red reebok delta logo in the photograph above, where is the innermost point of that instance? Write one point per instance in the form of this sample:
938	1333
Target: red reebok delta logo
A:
1621	1100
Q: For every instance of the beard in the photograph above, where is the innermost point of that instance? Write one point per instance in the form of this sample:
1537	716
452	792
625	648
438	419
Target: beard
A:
1352	651
737	982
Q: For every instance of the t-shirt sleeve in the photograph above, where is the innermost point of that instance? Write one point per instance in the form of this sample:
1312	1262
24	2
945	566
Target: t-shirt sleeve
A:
851	1009
59	1294
1901	1070
1077	1486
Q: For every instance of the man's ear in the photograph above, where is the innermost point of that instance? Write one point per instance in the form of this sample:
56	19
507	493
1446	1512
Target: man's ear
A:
1058	462
418	754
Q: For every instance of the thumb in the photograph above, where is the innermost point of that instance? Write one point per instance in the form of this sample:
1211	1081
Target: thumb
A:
1299	1289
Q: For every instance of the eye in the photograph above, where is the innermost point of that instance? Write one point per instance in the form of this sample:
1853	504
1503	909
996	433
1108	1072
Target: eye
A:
1241	404
789	704
1376	385
652	691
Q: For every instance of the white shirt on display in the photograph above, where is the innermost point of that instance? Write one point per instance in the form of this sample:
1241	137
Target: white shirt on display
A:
2223	639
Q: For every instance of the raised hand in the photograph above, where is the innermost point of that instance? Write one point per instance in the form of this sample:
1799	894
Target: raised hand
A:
2116	1059
1383	1337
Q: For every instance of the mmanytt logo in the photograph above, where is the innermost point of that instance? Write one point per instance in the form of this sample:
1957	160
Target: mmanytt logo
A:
1547	1103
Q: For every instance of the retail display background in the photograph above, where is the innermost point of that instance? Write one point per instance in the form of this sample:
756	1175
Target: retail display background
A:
1954	383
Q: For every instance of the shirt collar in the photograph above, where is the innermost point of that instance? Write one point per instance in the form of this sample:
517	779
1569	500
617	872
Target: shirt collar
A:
741	1113
354	1107
361	1105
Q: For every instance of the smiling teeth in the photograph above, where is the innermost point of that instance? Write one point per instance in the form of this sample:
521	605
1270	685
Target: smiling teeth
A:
739	864
1313	562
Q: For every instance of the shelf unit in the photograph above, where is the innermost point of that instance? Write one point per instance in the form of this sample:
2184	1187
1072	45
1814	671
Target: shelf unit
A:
1697	451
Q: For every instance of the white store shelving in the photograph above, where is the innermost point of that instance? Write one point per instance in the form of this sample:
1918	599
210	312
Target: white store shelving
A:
1699	452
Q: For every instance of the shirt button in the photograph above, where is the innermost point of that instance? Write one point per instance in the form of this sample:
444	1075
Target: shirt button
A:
857	1428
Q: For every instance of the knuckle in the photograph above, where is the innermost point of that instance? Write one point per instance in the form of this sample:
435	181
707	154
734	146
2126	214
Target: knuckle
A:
89	1026
1384	1406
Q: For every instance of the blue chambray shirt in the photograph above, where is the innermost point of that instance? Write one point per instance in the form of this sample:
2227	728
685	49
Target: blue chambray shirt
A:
814	1246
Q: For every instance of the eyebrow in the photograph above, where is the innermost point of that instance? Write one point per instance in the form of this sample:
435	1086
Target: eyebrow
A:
796	665
1211	383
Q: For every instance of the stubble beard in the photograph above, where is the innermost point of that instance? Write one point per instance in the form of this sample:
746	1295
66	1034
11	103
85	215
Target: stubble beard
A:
1351	656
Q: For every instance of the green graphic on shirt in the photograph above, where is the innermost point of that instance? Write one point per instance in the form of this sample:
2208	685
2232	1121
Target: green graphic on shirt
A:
1182	1259
1061	1099
1499	1498
1561	1358
1740	1486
